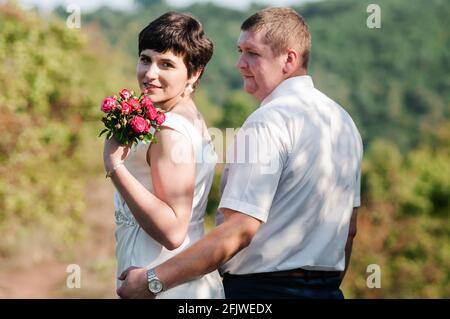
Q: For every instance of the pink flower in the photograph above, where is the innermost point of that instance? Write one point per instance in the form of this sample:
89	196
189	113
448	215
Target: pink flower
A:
134	104
125	94
108	104
151	113
126	108
147	102
139	125
160	118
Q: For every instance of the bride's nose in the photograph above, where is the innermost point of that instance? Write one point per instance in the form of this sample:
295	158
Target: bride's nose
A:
152	72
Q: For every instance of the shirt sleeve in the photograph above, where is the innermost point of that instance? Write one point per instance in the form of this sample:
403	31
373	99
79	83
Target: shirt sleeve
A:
357	198
254	163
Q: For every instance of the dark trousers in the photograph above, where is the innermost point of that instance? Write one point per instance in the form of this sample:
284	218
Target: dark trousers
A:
248	287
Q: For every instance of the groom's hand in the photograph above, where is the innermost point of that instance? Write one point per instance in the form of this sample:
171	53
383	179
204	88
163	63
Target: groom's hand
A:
135	284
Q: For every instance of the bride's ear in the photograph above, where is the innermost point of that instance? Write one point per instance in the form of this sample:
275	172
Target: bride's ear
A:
194	78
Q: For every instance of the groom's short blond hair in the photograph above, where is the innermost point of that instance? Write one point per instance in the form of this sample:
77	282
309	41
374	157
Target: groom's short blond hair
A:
284	29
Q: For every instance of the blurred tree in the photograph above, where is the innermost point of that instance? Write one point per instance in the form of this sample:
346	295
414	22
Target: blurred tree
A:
149	3
52	80
236	108
381	171
212	113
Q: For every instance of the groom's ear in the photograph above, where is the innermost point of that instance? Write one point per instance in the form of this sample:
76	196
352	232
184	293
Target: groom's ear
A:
291	62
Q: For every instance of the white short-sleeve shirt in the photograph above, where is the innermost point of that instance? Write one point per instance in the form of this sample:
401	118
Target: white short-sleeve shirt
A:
295	165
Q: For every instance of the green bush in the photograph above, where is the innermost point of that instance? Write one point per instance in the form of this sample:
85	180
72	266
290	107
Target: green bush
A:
52	81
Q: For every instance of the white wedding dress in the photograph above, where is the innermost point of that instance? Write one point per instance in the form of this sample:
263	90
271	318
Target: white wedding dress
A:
137	248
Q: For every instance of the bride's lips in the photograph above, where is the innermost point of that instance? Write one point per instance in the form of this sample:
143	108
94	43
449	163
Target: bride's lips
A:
151	86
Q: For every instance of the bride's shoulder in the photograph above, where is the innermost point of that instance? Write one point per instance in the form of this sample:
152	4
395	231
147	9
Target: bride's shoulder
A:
180	115
191	121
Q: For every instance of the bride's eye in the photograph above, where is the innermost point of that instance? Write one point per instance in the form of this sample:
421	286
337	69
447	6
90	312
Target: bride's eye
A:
144	59
167	65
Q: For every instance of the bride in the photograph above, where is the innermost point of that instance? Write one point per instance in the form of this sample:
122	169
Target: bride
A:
162	189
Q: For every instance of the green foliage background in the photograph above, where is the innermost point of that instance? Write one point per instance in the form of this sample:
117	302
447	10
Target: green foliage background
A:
50	79
394	81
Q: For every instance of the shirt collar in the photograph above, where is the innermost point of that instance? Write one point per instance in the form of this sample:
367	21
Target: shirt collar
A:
290	84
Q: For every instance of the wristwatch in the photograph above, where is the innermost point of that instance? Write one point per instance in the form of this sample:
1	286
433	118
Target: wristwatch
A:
154	284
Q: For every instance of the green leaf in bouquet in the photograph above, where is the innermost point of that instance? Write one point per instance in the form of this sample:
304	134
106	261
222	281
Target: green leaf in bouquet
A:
103	132
119	138
110	133
147	139
133	143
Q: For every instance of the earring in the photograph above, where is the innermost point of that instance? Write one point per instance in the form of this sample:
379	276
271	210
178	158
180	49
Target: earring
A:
189	89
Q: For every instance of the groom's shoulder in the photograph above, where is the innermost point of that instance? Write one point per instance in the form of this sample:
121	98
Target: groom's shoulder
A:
270	114
281	110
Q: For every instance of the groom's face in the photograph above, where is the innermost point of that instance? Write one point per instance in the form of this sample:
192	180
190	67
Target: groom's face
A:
261	70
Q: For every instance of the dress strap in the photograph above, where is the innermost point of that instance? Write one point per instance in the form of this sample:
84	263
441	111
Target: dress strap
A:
182	125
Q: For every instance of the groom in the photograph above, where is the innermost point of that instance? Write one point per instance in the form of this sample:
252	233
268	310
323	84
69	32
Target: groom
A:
288	217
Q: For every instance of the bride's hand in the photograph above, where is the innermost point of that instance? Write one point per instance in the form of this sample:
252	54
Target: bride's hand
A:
113	153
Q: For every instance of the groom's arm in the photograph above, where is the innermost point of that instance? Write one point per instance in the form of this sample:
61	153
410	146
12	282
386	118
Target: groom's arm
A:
351	235
206	255
209	253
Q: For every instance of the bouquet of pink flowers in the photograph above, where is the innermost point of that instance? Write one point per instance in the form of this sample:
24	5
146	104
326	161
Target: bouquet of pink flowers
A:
130	118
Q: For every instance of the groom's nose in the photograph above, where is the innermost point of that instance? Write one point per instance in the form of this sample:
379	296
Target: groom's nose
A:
241	63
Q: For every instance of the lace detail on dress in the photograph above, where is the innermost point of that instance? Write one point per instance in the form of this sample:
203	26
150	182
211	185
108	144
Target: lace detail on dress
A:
124	218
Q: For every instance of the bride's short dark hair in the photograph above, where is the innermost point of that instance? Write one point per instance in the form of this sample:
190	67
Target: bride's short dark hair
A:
183	35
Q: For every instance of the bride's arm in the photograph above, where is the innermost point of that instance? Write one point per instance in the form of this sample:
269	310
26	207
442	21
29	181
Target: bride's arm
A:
165	214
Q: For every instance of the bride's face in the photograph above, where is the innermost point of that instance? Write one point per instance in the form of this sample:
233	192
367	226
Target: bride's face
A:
162	75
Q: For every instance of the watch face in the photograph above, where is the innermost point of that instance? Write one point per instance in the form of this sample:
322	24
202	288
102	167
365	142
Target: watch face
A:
155	286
